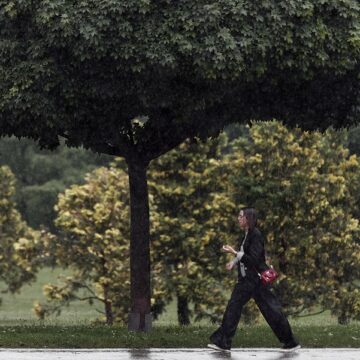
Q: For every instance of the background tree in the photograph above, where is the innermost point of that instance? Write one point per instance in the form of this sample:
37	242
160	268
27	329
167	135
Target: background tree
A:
42	174
20	246
305	186
135	79
188	228
93	242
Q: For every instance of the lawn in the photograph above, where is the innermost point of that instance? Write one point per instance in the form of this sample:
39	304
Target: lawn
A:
19	327
75	336
17	309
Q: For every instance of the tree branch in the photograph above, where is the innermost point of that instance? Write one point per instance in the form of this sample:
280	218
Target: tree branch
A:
90	290
102	146
312	314
100	312
88	298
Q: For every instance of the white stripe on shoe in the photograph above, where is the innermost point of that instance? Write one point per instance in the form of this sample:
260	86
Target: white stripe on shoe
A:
215	347
297	347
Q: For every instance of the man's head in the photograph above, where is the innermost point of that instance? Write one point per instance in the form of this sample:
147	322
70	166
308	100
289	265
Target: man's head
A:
247	218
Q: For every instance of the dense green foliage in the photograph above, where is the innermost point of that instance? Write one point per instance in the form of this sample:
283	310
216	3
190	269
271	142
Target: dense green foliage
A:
86	69
354	140
42	174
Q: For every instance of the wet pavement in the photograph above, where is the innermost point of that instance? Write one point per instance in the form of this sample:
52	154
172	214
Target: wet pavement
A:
177	354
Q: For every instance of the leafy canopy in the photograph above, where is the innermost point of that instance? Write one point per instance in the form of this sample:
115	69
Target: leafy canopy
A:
87	69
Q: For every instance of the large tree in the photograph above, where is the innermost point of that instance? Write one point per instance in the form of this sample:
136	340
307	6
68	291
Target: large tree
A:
136	78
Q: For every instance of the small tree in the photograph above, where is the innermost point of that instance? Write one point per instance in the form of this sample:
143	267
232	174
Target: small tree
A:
188	228
93	220
20	248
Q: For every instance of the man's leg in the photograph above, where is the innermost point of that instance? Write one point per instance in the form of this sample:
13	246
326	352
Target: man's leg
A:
239	297
270	308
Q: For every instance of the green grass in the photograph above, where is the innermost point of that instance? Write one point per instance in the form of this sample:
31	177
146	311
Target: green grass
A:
19	327
17	308
50	336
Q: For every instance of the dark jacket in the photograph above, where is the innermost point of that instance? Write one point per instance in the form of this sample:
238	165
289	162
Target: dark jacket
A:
254	254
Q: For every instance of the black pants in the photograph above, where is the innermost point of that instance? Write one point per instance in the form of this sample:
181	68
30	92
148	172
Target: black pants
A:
269	305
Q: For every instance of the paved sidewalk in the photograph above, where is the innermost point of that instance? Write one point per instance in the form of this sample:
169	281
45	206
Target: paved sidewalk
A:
176	354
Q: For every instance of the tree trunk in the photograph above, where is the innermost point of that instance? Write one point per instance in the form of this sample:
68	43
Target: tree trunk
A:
183	310
108	307
140	315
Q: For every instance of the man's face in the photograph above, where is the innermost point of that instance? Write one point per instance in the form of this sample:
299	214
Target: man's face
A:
242	219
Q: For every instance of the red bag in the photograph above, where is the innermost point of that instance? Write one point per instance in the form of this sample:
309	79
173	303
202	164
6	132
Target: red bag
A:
268	276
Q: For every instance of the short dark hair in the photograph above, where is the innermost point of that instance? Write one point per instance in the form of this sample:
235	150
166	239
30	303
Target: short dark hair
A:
251	216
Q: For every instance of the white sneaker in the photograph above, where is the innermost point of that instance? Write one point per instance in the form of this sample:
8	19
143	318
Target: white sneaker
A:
215	347
291	349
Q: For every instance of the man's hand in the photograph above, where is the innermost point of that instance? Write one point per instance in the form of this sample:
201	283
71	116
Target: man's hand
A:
229	249
229	265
